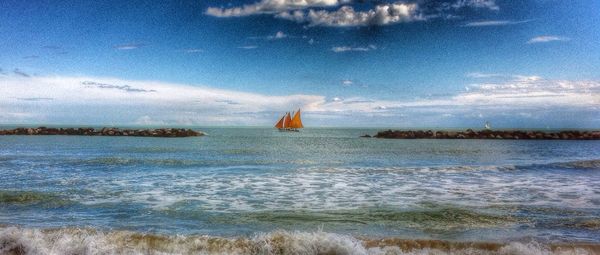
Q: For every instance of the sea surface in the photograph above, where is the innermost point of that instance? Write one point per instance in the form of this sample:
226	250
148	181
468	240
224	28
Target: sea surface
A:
318	191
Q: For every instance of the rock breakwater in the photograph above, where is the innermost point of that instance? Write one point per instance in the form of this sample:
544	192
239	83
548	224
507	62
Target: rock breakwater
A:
106	131
490	134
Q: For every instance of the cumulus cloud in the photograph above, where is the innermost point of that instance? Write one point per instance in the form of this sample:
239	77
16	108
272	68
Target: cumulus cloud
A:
547	38
487	4
297	16
108	100
346	16
338	49
270	6
320	13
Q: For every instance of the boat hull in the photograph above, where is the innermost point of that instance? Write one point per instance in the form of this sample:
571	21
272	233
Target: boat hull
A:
288	130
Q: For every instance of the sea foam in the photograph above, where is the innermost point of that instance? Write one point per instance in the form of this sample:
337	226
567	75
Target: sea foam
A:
16	240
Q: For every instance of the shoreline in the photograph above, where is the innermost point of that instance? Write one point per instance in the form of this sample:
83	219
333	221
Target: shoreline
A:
489	134
105	131
83	240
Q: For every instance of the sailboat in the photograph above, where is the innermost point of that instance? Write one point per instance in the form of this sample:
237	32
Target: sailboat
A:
487	125
289	123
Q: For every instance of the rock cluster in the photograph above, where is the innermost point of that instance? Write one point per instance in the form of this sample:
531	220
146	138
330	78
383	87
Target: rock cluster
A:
490	134
159	132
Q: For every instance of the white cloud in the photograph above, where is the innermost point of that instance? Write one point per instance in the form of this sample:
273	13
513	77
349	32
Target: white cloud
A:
248	47
127	101
547	38
485	23
483	75
540	99
347	82
130	46
297	16
278	35
338	49
319	13
487	4
193	50
270	6
346	16
147	120
98	100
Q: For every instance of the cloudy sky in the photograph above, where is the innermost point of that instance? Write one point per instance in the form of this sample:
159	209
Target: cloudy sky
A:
413	63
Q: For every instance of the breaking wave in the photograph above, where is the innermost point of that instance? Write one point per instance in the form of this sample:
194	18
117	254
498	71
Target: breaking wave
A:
16	240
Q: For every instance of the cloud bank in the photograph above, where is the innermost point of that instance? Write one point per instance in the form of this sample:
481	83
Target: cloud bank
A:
270	6
99	100
320	13
346	16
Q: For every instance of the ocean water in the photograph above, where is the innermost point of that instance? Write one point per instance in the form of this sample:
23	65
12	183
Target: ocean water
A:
319	191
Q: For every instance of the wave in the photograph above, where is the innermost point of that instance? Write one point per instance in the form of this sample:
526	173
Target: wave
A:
580	164
408	169
24	198
430	218
16	240
303	165
116	161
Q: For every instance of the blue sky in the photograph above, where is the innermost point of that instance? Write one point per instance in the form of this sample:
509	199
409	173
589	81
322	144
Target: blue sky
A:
454	63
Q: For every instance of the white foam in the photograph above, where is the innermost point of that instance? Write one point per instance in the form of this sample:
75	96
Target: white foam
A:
335	188
88	241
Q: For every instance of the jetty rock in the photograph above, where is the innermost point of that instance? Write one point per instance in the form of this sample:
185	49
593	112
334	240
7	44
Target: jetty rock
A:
490	134
105	131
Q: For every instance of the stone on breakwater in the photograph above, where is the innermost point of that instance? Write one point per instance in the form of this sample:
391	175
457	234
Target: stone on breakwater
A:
106	131
490	134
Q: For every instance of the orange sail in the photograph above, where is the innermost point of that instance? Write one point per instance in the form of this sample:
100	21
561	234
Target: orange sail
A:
296	121
280	123
287	120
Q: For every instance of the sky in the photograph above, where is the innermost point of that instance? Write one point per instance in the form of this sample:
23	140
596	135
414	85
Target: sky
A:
346	63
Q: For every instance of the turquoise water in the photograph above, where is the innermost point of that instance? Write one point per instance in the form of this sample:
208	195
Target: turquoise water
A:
244	182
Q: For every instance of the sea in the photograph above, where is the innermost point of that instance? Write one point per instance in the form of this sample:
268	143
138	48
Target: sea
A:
318	191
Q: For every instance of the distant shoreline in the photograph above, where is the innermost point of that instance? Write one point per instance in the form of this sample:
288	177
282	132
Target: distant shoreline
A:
489	134
106	131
